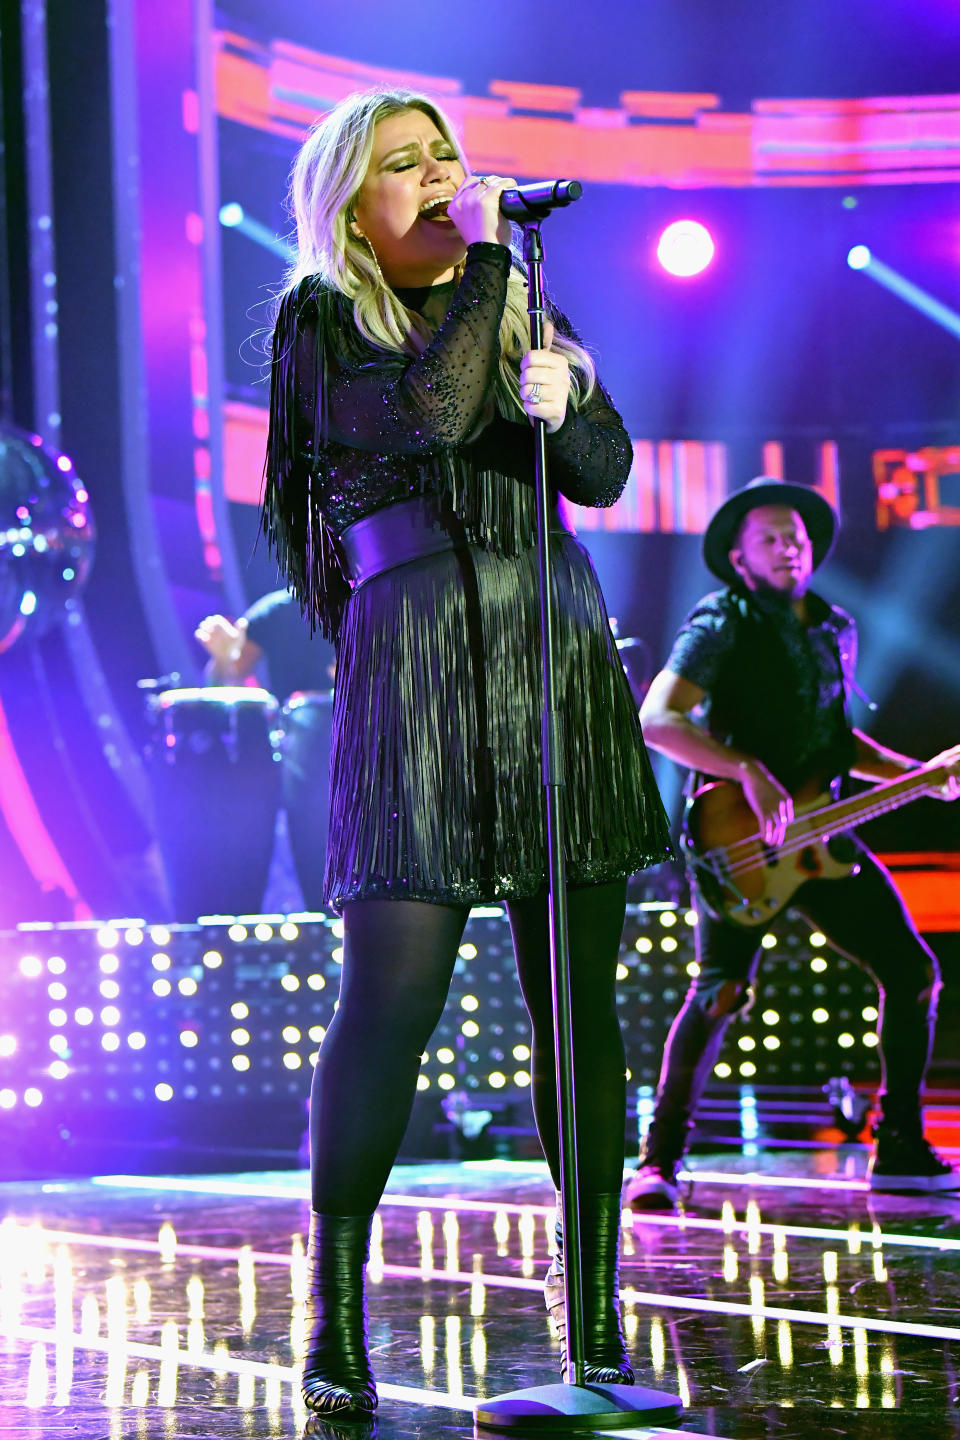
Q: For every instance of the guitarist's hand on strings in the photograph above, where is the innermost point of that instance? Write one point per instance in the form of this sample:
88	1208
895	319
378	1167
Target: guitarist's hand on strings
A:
772	805
950	761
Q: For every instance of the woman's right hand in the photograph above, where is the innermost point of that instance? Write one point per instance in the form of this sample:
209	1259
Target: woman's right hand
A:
475	209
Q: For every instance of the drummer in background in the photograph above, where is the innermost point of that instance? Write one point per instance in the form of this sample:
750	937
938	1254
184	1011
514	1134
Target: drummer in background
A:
272	629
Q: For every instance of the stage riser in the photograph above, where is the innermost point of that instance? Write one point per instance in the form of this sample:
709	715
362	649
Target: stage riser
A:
126	1020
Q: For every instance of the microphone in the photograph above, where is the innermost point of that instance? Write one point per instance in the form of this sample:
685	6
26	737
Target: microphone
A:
533	202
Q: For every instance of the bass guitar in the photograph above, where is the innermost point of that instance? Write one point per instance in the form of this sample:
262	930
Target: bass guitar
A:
745	880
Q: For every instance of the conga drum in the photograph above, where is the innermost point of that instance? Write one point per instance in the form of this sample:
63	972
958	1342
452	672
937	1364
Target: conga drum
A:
214	762
307	718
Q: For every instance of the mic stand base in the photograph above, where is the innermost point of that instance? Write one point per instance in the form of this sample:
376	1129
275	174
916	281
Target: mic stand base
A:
543	1409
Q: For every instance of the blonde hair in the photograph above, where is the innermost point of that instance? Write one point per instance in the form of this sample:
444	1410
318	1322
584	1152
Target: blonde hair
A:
326	178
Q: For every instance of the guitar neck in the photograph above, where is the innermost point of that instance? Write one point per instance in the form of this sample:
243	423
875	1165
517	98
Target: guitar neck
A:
881	800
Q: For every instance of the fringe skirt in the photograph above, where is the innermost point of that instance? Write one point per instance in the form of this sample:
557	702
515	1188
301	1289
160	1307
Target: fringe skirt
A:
436	789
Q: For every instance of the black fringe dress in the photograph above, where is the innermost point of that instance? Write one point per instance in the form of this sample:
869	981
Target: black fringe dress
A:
436	789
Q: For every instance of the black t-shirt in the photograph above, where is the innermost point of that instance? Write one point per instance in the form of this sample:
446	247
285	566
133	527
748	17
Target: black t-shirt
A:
776	688
296	659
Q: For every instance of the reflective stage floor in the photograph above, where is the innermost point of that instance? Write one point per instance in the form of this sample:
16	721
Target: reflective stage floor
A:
787	1301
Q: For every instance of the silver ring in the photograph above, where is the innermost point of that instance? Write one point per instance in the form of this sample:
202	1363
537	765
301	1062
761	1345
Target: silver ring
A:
535	392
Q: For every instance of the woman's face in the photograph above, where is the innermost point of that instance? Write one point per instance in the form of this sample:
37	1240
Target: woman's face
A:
401	205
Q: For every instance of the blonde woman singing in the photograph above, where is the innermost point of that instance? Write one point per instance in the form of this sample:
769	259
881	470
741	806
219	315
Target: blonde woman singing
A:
400	502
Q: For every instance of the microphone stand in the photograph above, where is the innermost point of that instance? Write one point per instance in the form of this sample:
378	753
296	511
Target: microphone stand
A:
574	1403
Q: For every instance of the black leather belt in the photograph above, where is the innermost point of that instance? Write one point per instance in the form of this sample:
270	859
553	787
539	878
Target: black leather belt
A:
407	530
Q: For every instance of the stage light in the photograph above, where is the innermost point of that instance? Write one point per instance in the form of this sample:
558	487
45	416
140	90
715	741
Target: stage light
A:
109	964
133	936
110	1042
59	1070
446	1082
316	982
159	934
109	989
30	966
817	939
859	257
187	986
56	965
57	1017
685	248
8	1099
241	1062
496	1080
768	941
316	1032
668	944
469	1002
748	1068
189	1038
237	933
231	214
288	931
467	951
668	919
290	982
693	969
8	1045
109	1015
84	1016
771	1042
870	1012
818	964
521	1052
59	1044
747	1042
239	1010
423	1082
622	972
723	1070
470	1028
162	987
263	931
819	1016
136	1040
240	1036
643	945
336	954
445	1056
56	991
32	1097
770	1017
845	1040
871	1038
291	1034
107	937
292	1061
161	962
521	1078
163	1091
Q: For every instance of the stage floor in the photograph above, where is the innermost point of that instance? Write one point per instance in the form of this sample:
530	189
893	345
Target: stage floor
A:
787	1302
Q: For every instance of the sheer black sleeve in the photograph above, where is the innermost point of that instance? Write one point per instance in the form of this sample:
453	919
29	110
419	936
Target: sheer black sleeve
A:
430	404
591	454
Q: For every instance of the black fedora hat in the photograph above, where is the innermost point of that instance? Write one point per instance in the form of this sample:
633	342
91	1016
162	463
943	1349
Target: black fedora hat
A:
817	514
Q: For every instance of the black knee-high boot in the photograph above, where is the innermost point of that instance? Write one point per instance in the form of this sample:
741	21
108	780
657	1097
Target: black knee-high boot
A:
605	1351
337	1379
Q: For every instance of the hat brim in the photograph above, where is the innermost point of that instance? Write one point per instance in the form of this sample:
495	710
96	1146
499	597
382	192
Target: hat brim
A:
818	516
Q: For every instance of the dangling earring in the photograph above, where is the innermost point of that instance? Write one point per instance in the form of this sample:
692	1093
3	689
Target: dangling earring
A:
359	235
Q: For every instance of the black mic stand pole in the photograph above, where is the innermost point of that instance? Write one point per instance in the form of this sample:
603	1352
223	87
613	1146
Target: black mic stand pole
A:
573	1404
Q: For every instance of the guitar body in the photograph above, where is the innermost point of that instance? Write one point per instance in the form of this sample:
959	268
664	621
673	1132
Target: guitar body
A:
740	877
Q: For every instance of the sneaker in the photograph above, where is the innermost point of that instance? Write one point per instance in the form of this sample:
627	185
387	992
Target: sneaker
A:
908	1163
653	1187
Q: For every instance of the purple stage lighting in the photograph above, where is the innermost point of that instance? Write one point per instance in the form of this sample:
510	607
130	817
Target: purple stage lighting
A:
685	248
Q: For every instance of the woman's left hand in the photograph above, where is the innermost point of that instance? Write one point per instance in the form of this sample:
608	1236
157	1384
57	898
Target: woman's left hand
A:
545	383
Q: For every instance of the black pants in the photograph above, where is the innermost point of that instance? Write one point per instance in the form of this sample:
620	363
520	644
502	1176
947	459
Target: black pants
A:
865	919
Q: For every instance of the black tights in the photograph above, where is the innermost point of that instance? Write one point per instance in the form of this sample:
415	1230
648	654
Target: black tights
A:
398	960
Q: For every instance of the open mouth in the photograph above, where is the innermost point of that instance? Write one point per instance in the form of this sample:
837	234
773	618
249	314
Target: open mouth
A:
436	210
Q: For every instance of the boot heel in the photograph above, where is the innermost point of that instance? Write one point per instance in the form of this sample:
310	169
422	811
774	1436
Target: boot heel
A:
337	1380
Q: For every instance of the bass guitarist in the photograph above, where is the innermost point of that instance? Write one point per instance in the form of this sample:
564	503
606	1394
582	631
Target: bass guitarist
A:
767	666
